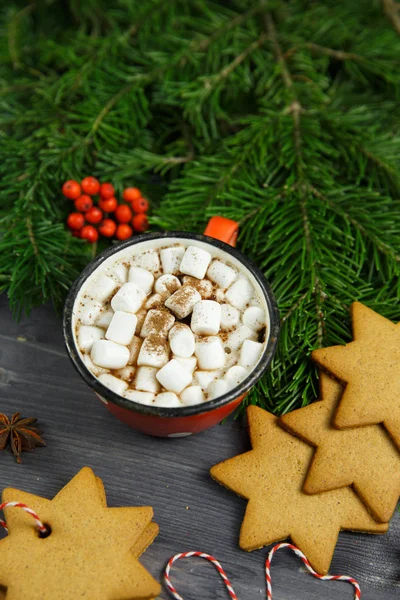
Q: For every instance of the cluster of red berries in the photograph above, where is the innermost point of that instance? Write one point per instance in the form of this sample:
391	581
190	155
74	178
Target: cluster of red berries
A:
112	219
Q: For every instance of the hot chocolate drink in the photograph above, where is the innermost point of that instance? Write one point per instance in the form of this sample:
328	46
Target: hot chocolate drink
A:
172	325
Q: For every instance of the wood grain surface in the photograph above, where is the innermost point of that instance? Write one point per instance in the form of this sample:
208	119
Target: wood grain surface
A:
194	513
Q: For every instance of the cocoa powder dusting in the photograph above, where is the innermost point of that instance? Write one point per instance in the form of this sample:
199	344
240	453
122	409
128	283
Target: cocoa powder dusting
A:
183	295
156	344
206	291
159	320
171	286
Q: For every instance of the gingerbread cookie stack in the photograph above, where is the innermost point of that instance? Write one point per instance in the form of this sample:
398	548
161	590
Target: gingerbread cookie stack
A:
334	464
92	550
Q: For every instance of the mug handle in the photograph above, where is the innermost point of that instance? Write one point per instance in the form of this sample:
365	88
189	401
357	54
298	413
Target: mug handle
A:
222	229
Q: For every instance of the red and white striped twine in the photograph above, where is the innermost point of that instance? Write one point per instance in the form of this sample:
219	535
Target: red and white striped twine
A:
299	553
208	557
41	527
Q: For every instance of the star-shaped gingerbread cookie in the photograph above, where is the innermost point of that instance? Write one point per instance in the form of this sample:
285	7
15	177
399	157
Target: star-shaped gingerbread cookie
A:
271	477
370	368
91	552
364	457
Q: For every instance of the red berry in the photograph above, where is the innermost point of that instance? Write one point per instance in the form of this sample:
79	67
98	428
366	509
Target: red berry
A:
71	189
107	227
108	204
89	233
131	194
123	213
76	233
83	203
141	205
90	186
106	190
140	222
75	220
123	232
94	215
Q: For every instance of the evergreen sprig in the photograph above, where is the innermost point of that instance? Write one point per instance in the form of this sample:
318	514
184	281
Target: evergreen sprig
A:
283	116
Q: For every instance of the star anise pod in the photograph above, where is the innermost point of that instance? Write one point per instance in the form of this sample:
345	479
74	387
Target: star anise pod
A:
20	433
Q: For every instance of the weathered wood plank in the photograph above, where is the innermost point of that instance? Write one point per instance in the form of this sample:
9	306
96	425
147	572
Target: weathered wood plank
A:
194	513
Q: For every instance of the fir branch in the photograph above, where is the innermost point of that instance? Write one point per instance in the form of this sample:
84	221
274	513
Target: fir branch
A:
282	116
331	52
368	234
295	110
203	44
31	236
212	82
13	33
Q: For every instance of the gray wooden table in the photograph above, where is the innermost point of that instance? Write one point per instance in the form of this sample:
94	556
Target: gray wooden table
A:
194	513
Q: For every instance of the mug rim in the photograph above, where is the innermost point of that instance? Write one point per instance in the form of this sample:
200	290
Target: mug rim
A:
160	411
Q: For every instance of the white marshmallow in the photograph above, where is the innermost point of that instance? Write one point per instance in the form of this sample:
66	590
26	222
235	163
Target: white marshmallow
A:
181	303
217	388
210	353
230	316
129	298
189	364
167	400
231	359
113	383
122	327
102	288
157	322
154	352
140	315
237	337
118	272
239	293
221	274
204	378
167	284
235	375
148	259
181	340
143	278
206	317
140	397
109	354
88	335
134	349
90	312
127	374
154	301
171	259
146	380
192	395
254	317
96	370
219	295
195	262
250	353
203	286
173	377
105	318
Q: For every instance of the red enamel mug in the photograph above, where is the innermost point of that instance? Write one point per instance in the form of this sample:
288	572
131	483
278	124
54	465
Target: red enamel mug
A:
219	239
